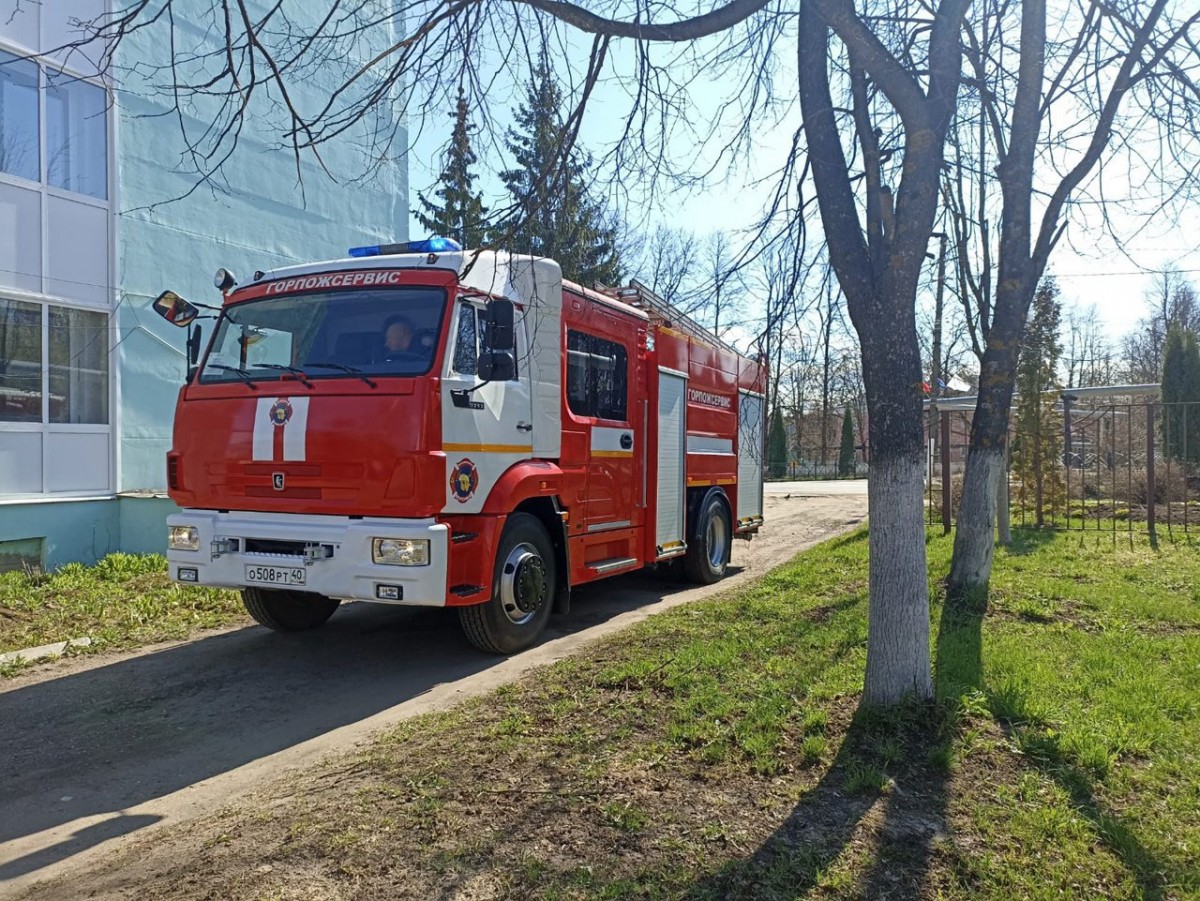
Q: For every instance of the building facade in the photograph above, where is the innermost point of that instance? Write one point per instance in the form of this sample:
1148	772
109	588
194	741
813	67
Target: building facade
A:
98	214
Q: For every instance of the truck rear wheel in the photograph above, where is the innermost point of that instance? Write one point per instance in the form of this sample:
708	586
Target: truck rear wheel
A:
288	611
708	555
522	590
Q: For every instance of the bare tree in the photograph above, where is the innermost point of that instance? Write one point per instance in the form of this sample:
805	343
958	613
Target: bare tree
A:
669	267
1172	301
1087	353
1045	107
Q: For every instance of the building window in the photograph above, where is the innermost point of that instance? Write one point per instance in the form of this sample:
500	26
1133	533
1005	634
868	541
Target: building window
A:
597	376
78	376
76	381
20	361
19	130
76	135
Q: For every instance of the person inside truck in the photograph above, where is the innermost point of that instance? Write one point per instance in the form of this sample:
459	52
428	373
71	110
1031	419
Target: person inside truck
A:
397	337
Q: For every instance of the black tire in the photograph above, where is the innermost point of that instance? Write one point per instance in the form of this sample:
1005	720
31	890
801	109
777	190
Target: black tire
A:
523	585
288	611
708	554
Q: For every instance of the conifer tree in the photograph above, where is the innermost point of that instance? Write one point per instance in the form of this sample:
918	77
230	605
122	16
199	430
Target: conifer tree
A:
846	452
460	213
1181	395
561	218
1037	451
777	453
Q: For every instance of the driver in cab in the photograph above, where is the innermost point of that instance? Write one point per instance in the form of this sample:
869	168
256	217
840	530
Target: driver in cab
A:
397	338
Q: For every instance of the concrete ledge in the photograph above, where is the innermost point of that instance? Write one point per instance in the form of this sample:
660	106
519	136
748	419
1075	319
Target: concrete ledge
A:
29	655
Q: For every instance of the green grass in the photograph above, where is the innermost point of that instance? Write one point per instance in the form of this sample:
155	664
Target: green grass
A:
718	751
124	600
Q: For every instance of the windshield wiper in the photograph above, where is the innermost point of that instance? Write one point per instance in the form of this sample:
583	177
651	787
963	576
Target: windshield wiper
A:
240	373
299	373
347	369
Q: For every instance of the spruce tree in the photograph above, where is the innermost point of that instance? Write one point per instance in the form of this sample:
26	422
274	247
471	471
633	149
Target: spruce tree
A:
1181	395
846	452
459	212
1038	450
777	453
560	217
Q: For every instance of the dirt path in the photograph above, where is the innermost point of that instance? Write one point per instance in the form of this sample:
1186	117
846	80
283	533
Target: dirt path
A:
100	748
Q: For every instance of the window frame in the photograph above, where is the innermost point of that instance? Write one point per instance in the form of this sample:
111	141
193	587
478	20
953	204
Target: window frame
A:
594	408
40	289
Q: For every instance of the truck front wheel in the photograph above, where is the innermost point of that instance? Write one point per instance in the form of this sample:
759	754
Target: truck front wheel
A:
522	590
288	611
708	555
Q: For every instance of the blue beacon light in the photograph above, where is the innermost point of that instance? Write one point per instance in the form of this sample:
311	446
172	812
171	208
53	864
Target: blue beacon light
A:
436	244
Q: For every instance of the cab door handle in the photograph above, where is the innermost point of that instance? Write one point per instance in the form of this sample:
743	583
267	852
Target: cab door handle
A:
524	426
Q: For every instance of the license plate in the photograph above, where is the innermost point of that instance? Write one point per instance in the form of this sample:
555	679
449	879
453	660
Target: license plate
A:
275	575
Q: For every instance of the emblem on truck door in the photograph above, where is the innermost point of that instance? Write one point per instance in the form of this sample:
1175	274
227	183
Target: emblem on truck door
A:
464	479
281	412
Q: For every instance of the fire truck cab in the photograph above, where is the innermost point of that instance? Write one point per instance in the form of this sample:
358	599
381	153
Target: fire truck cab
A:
421	425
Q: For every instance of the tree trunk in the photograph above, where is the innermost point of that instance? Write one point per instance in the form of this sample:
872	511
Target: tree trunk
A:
898	623
974	533
1003	530
973	545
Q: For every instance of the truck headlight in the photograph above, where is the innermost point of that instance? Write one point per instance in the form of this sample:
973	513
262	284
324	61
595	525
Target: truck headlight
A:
183	538
400	551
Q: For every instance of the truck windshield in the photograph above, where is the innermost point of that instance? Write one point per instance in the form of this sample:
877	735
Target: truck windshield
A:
335	334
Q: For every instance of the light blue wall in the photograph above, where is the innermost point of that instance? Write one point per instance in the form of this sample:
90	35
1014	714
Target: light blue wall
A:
71	530
255	216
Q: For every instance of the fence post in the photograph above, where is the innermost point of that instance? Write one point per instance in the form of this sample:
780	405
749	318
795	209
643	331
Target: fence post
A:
946	472
1003	526
1150	474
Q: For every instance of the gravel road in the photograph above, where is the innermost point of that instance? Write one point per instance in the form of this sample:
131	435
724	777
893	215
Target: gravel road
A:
101	747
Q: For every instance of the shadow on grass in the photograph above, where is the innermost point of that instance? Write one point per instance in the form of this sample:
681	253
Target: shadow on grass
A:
1041	747
1029	539
884	796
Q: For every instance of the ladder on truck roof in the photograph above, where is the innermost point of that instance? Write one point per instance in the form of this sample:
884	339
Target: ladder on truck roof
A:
663	313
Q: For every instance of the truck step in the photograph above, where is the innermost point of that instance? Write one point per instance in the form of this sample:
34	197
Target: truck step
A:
607	566
461	537
465	591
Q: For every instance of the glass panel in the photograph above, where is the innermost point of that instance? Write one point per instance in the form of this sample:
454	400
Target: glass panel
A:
78	366
597	377
466	345
20	361
76	135
21	237
331	334
19	117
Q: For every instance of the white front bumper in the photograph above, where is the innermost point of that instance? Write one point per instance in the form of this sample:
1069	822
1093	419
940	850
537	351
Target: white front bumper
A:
348	573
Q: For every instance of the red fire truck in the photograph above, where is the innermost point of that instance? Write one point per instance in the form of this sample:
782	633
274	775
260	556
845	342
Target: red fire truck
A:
421	425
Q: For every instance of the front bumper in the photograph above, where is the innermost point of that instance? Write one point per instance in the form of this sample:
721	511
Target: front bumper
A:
346	572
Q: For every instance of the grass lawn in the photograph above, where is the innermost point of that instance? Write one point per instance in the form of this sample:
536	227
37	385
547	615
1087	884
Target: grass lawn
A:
716	751
124	600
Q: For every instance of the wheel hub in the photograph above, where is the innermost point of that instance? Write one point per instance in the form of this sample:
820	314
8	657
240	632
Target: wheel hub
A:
523	585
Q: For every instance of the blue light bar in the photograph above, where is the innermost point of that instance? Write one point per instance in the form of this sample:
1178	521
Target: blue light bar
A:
436	244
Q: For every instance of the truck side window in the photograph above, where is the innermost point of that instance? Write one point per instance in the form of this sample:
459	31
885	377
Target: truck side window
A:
597	376
466	342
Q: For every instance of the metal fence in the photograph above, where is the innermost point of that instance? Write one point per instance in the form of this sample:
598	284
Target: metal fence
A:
1116	466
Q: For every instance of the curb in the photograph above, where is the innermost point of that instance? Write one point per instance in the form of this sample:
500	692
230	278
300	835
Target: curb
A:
29	655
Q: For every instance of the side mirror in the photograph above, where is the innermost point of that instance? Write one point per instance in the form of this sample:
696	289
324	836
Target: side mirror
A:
173	308
499	315
496	366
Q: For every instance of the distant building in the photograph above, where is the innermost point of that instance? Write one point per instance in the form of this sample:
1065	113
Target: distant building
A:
88	374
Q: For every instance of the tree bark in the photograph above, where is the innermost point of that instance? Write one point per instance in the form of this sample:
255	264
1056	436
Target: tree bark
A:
898	626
